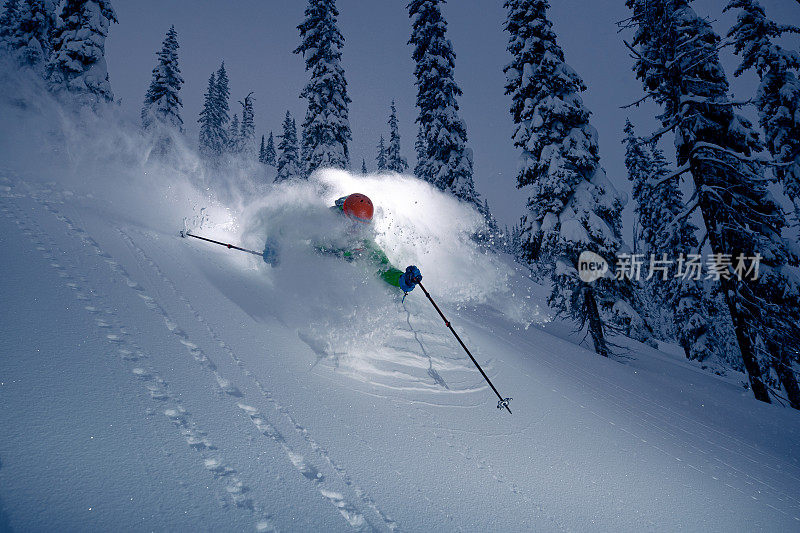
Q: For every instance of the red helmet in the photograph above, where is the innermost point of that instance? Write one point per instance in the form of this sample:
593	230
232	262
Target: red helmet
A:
358	207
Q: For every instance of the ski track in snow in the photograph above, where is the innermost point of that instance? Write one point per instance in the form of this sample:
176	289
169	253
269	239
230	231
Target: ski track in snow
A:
137	360
157	388
346	509
713	450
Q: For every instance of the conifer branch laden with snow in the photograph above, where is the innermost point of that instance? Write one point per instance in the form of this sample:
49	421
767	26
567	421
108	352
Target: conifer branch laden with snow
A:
777	98
77	65
326	128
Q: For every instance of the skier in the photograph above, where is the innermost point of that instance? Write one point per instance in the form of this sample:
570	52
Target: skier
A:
360	245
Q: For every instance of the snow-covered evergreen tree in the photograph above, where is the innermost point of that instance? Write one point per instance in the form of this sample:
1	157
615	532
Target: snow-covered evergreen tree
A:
247	131
162	103
490	235
778	96
210	142
8	24
420	150
234	136
664	232
326	128
262	152
77	65
678	62
515	244
270	157
447	161
394	160
288	152
363	167
380	159
26	28
572	206
222	107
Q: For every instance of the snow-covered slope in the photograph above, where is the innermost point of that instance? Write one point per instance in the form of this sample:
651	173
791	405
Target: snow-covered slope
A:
149	382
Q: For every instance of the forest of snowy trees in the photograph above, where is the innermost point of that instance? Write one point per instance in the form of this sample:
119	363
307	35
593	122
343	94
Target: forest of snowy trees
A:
723	199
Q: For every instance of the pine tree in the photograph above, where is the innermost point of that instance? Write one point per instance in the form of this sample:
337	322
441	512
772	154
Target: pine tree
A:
9	22
572	206
247	132
363	166
420	149
516	244
381	158
222	107
394	160
489	235
664	232
678	62
162	103
211	135
447	162
262	152
288	157
234	136
326	129
777	100
26	27
270	157
778	96
78	64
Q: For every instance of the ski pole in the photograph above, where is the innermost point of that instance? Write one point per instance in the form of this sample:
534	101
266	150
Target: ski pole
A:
225	244
503	401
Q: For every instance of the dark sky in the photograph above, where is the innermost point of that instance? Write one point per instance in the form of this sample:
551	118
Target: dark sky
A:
256	37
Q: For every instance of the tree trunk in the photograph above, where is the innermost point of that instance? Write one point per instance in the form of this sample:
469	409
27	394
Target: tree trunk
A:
705	175
783	367
595	325
747	349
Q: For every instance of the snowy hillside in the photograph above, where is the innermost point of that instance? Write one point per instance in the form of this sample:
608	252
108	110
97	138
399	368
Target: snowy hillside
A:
149	382
209	321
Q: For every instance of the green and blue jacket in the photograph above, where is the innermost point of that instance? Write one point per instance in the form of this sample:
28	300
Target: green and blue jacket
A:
367	251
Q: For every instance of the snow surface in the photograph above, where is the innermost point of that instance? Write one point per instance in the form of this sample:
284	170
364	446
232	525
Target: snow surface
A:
149	382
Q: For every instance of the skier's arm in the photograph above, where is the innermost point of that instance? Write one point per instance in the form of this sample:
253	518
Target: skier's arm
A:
392	275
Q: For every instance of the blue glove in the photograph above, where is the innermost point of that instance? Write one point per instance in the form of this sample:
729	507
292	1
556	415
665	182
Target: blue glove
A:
270	254
410	278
